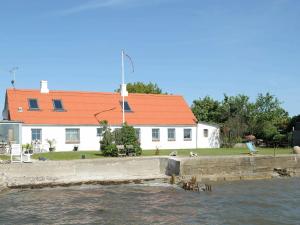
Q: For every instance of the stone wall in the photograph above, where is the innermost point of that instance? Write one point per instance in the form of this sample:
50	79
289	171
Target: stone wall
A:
218	168
80	171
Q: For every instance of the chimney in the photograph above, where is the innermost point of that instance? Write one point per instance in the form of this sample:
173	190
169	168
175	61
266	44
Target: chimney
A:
124	91
44	87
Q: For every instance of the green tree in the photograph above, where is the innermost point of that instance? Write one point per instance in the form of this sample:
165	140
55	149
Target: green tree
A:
269	118
140	87
265	118
292	123
206	109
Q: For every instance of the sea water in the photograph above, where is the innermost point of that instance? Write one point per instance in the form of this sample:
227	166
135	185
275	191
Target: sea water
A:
244	202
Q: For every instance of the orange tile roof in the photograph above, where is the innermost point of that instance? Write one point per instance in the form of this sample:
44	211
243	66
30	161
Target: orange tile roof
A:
81	107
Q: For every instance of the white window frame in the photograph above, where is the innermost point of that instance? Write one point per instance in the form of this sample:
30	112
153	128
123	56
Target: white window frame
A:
205	133
99	131
187	139
138	133
72	141
158	134
172	138
36	129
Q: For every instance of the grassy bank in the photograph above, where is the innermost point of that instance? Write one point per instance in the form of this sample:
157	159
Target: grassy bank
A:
181	152
4	157
69	155
220	151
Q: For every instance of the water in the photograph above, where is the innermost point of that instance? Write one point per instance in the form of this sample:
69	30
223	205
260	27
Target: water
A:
246	202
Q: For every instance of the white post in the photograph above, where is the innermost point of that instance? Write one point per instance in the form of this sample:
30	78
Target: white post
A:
123	81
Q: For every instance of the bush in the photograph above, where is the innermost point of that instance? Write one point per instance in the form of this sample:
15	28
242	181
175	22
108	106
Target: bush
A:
127	136
107	139
124	136
110	150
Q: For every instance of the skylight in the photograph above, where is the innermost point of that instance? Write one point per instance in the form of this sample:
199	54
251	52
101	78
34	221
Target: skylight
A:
126	106
57	104
33	104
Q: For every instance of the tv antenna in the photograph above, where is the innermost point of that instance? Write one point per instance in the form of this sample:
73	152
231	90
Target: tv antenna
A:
13	73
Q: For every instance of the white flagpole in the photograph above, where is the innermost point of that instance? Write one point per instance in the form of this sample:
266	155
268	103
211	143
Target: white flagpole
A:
122	91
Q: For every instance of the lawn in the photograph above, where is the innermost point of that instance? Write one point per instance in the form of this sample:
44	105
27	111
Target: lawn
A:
68	155
219	151
181	152
4	157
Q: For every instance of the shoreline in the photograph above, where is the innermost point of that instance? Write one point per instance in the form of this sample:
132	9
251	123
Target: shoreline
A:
110	171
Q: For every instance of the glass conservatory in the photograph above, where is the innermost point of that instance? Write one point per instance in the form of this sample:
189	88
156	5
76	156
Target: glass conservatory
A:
10	133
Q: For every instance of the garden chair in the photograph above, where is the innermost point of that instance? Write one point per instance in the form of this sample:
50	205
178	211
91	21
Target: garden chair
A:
251	148
16	153
130	150
121	150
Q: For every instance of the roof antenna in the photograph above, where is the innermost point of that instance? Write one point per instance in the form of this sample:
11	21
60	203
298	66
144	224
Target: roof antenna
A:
13	73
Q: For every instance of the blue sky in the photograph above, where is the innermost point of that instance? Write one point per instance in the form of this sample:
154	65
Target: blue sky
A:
188	47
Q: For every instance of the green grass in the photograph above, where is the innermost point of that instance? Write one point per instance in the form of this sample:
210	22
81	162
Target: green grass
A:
4	157
181	152
68	155
219	151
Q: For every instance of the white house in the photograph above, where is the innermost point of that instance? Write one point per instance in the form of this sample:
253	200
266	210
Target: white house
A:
72	119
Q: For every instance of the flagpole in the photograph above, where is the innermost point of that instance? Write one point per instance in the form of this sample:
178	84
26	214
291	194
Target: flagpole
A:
122	91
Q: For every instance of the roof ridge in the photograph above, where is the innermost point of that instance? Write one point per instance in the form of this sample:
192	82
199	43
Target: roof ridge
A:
93	92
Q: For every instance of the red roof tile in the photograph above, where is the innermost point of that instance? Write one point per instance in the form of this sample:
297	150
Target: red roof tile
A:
81	107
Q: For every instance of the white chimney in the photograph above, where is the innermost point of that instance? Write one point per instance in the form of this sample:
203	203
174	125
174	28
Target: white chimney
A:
44	87
124	91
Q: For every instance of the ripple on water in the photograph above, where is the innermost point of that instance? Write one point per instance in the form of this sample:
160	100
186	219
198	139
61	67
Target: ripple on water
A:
243	202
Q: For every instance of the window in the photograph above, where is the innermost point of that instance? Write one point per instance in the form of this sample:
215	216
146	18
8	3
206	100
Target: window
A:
126	106
33	104
36	134
187	134
138	133
171	134
155	134
99	132
72	136
57	104
205	132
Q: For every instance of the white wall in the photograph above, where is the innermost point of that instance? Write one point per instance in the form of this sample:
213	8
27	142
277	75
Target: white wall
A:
88	137
90	141
213	139
179	143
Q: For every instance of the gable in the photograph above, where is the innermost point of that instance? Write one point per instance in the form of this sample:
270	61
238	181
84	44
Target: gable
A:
5	113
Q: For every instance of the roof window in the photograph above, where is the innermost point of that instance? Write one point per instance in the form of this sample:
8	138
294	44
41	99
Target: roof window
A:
33	104
126	106
57	104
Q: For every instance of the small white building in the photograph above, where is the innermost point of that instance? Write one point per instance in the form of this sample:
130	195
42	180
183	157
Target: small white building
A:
72	118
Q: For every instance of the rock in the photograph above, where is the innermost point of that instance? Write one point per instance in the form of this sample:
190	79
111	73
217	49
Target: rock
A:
282	172
173	153
296	150
192	154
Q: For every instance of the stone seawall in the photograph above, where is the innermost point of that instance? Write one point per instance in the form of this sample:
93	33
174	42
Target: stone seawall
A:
219	168
52	173
122	170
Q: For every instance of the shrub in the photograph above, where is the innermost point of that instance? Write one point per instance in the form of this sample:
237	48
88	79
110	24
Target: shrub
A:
127	136
157	151
123	136
107	139
110	150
